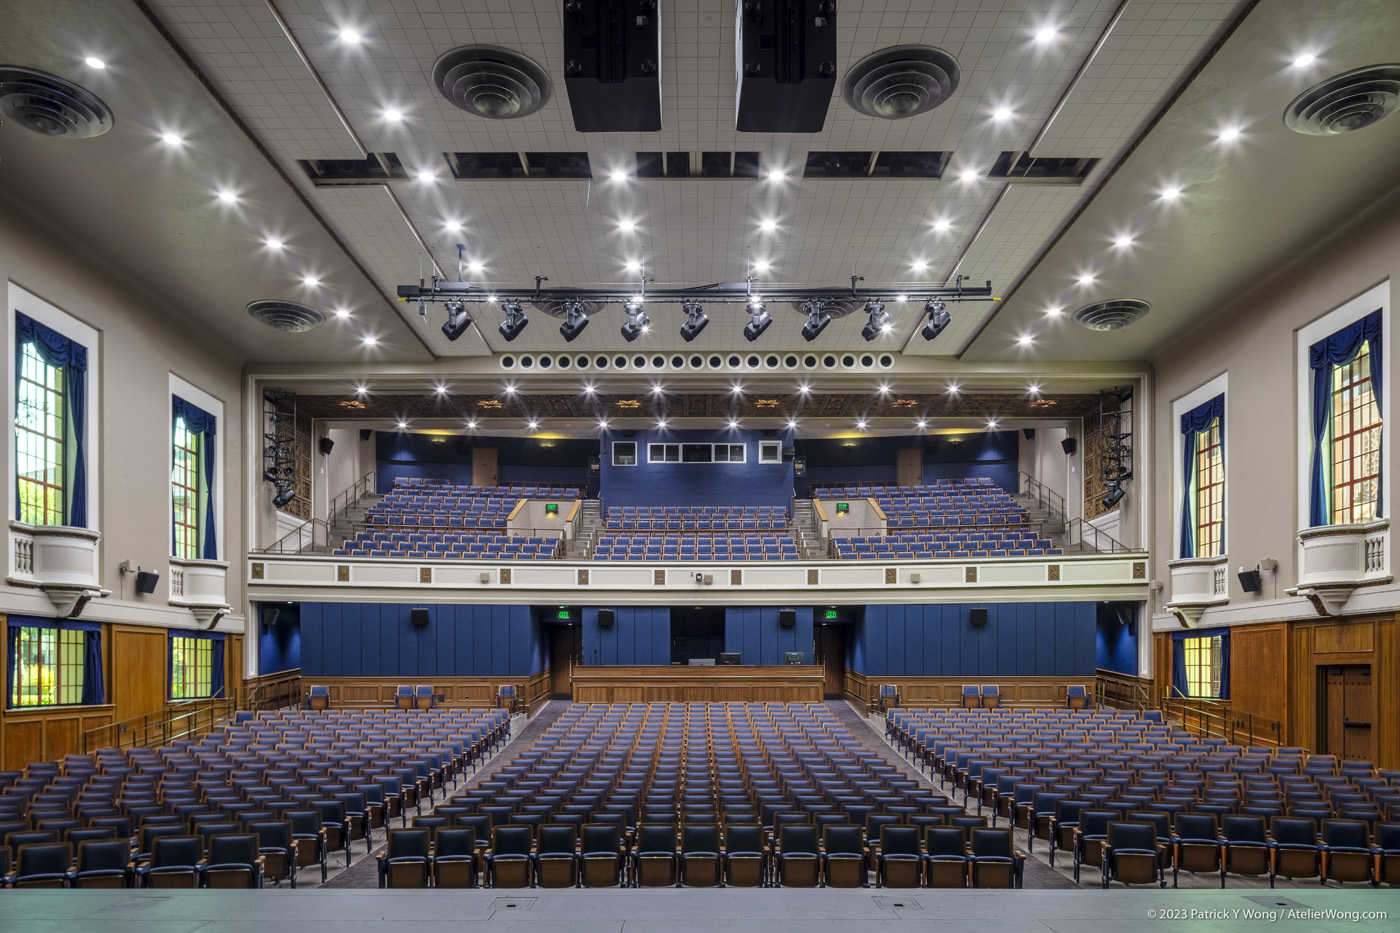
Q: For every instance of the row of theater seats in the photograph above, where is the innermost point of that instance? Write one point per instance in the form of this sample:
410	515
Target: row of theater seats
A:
1064	776
304	784
440	504
449	545
442	487
697	518
696	547
942	487
700	794
956	545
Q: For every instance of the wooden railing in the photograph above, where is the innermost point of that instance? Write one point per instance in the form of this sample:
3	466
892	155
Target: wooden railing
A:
1123	691
177	721
279	690
1218	719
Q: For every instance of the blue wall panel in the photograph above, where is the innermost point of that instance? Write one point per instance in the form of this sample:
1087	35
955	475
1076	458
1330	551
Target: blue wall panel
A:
1115	641
1019	639
380	640
754	631
640	635
518	459
992	454
747	483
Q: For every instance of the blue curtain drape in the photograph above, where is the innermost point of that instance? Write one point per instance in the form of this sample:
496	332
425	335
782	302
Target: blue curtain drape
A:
1193	423
1180	684
216	668
94	685
1337	350
199	421
59	351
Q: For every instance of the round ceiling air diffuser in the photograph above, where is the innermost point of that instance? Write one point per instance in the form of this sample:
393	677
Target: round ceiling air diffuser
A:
51	106
494	83
286	316
1114	314
1346	102
900	82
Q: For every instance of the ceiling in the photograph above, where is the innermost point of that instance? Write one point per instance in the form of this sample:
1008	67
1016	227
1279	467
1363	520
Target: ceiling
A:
254	86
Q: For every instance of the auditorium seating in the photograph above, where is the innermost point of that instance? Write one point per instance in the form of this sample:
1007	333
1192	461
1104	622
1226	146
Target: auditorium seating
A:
440	504
1071	776
697	518
449	545
618	547
949	503
933	545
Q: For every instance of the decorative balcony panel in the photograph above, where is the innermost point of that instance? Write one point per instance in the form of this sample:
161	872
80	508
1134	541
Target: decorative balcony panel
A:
59	560
1334	560
201	587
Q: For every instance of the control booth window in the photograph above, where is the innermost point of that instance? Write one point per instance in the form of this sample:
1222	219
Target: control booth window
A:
729	453
624	453
663	453
770	451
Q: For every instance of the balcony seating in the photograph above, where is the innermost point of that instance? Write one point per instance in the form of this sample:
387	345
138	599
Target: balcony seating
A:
929	545
439	504
669	547
449	545
697	518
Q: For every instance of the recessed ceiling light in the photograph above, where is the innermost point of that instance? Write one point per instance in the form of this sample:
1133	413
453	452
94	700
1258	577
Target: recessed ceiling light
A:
627	225
273	243
1086	279
1228	134
361	390
737	390
1025	340
471	425
969	175
350	36
803	388
440	390
733	424
510	388
792	424
942	226
603	425
860	425
776	174
1035	388
884	388
94	63
768	225
1171	193
393	115
532	425
1001	114
991	423
633	266
588	388
918	265
762	265
370	340
342	313
172	139
228	196
1302	61
476	265
310	281
1054	311
1123	240
452	226
427	176
1046	34
618	174
921	424
952	388
657	390
661	424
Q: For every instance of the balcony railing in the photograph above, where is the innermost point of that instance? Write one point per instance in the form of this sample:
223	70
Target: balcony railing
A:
1211	718
178	721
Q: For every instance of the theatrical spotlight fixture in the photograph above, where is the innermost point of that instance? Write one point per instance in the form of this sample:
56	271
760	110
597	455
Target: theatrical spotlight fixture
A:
695	320
817	319
637	319
759	319
938	318
515	320
457	320
879	321
575	319
1113	496
285	494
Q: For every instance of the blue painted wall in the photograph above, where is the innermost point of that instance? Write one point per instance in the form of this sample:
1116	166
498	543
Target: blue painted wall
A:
993	454
379	640
279	646
1019	639
754	631
640	635
1115	641
518	459
747	483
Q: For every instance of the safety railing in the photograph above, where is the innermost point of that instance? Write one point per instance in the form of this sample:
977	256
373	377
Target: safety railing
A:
177	721
1121	691
1079	533
1210	718
273	691
312	533
1053	502
347	497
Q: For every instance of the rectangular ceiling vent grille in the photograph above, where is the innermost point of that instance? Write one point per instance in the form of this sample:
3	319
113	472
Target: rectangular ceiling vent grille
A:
377	168
1020	168
494	166
697	165
886	165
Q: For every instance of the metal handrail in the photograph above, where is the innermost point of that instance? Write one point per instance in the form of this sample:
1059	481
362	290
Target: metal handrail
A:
1218	719
1081	526
320	534
351	494
175	722
1122	691
1053	501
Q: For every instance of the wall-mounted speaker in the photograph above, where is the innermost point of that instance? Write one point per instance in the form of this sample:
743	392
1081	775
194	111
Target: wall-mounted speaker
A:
365	433
146	581
612	65
1028	433
606	617
1068	445
787	618
786	65
268	616
419	617
977	616
325	444
1250	581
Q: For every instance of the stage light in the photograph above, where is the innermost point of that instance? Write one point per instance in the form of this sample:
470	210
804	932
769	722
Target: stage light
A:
733	424
637	320
510	388
817	319
759	320
403	425
440	390
695	322
938	319
658	389
1114	496
532	425
575	320
860	425
879	322
471	425
515	320
285	494
588	388
457	320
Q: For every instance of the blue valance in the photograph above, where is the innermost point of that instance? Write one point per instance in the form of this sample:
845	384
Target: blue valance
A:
58	351
1337	350
1193	423
1199	418
197	420
54	348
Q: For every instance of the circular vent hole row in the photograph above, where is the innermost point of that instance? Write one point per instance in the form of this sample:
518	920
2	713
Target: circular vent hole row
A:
695	362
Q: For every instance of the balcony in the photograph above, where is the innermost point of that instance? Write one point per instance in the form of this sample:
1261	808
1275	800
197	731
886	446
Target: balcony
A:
59	560
1334	560
200	586
1198	583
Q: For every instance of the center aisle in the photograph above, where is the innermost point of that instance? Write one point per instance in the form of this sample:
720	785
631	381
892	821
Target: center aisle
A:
365	872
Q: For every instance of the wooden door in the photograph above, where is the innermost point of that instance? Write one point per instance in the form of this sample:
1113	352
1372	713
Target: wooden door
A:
1346	716
909	466
483	466
831	642
561	660
140	660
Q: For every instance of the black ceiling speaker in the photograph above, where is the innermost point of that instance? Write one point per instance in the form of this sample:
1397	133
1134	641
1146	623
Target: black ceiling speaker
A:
325	444
977	616
612	65
419	617
365	433
606	617
146	581
787	618
268	616
1068	445
785	71
1028	433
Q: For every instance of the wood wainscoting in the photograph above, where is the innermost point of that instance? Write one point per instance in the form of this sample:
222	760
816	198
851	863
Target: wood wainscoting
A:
48	734
783	683
946	692
458	692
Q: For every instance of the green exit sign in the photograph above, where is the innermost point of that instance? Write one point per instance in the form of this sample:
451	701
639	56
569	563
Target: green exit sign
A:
842	508
564	615
829	615
551	508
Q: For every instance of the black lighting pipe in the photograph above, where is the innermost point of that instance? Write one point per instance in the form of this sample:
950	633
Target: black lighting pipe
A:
718	292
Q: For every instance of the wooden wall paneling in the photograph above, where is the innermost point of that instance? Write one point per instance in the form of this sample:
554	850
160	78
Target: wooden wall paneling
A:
1385	680
928	692
140	670
1344	637
652	684
1302	687
234	687
1162	663
50	733
459	692
1259	670
24	741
